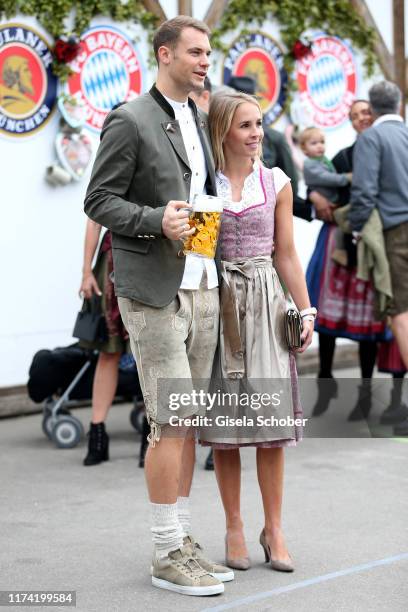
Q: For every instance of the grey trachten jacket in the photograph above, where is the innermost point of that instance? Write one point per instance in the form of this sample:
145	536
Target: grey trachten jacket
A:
380	175
140	166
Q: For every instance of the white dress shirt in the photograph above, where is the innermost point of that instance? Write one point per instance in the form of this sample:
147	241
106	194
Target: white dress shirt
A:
389	117
195	264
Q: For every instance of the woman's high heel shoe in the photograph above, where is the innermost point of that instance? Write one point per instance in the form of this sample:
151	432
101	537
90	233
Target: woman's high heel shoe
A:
276	564
242	563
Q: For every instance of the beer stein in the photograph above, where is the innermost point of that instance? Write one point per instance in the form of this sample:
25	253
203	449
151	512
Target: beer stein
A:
206	219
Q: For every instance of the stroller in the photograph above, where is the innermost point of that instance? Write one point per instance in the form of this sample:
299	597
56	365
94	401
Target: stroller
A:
63	379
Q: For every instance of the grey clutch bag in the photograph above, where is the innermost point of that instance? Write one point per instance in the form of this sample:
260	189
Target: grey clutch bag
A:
293	328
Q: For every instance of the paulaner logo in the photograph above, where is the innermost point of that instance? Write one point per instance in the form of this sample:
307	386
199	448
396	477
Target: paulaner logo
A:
28	87
259	56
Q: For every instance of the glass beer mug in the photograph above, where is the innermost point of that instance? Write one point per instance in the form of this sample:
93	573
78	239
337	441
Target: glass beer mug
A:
206	219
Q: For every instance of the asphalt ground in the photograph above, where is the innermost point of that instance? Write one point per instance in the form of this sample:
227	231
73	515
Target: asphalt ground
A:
67	527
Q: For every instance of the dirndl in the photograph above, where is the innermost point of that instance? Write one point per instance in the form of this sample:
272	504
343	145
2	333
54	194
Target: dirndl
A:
117	341
253	358
345	303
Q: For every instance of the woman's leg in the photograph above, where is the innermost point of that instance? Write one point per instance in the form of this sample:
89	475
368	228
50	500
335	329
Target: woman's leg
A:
326	385
270	467
104	385
367	350
327	345
227	465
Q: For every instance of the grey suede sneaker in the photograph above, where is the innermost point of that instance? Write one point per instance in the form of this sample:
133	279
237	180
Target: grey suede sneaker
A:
181	573
222	573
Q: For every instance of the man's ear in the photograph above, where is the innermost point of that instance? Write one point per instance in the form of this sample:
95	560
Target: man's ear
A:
164	55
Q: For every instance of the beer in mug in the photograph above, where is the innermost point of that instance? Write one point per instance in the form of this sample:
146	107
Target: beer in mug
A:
206	219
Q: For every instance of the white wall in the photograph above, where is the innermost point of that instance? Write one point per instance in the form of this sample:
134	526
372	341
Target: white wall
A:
43	229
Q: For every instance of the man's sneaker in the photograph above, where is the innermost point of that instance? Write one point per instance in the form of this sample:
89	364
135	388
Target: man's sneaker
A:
181	573
222	573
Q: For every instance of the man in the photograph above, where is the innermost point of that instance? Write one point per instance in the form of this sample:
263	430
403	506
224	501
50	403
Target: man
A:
276	150
153	158
380	180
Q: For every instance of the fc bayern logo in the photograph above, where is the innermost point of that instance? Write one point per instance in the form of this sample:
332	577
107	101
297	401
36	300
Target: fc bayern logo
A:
258	56
28	87
107	71
327	80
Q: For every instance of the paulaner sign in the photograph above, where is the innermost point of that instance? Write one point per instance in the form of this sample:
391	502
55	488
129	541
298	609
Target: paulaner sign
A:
28	86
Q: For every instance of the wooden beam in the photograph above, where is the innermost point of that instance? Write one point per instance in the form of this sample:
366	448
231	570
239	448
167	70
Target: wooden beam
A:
399	48
155	7
185	7
214	13
385	58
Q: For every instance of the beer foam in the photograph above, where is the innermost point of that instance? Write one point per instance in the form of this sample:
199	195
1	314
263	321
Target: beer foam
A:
207	203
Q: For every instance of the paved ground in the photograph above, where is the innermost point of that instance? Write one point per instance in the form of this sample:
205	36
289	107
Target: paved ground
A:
66	527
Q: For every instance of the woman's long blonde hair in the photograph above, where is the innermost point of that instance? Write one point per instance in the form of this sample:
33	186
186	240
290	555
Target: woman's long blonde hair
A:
222	110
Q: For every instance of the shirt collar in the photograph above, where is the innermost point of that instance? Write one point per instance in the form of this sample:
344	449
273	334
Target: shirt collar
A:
256	170
177	106
389	117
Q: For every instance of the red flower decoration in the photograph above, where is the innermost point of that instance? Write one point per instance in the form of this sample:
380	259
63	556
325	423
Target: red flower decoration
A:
66	50
300	50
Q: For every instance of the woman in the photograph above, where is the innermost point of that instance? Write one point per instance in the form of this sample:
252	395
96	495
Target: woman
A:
345	303
97	281
256	221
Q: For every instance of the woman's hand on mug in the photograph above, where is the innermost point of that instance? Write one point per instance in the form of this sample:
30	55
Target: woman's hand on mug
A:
307	335
89	286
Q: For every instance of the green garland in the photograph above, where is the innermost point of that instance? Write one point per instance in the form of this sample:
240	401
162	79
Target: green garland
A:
335	17
53	15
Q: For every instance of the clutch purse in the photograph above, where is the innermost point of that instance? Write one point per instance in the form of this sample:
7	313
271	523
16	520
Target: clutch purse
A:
90	324
293	328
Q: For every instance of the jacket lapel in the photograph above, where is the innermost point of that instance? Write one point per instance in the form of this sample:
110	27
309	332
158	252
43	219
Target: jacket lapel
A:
202	128
173	133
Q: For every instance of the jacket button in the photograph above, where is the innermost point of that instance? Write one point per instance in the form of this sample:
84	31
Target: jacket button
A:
181	254
186	176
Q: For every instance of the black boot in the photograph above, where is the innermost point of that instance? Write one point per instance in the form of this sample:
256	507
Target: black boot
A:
327	390
98	445
144	443
363	405
209	462
396	411
401	429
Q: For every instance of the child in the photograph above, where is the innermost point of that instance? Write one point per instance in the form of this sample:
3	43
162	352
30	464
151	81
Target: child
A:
320	175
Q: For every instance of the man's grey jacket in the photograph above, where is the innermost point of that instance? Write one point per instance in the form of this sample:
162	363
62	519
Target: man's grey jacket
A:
140	166
380	175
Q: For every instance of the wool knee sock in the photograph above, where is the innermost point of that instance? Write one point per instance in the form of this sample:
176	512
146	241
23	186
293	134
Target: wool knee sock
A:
183	510
166	531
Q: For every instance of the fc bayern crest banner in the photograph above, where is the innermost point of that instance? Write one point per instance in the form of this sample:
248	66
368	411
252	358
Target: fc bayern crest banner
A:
259	56
28	87
327	82
107	71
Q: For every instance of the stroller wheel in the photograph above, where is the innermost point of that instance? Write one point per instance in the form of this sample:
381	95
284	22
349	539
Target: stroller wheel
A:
47	425
136	418
67	432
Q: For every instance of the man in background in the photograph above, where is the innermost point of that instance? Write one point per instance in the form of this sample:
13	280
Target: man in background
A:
380	180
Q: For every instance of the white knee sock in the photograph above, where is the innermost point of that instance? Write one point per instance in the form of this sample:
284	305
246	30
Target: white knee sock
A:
167	531
183	510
